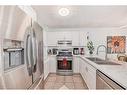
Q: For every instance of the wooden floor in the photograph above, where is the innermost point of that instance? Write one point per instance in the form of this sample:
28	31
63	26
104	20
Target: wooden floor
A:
55	81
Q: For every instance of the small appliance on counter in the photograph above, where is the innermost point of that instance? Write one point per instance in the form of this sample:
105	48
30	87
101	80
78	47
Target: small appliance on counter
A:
54	51
49	51
81	51
76	51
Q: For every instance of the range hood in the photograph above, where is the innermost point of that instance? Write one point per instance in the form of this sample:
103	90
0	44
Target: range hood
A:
64	42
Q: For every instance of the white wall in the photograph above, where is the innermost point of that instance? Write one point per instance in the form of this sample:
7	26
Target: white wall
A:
98	36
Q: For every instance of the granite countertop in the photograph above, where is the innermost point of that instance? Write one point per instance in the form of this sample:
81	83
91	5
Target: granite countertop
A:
118	73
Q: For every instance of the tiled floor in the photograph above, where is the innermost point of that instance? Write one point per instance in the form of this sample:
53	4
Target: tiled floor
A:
55	81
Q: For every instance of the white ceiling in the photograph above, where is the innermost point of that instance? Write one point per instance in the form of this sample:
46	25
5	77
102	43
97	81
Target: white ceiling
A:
82	16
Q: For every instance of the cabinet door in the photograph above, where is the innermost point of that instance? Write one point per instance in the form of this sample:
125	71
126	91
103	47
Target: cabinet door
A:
52	38
68	35
83	38
81	69
76	64
80	66
75	38
46	68
91	76
52	64
88	73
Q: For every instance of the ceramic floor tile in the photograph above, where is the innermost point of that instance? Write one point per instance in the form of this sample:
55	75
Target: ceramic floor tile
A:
68	79
63	88
77	79
55	81
69	85
60	79
49	85
52	75
51	79
79	86
76	75
58	85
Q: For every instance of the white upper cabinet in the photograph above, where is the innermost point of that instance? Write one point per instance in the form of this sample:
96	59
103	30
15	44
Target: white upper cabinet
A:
67	35
75	38
79	38
83	38
64	35
52	38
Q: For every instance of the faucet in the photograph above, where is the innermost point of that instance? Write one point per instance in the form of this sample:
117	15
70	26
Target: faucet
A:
105	50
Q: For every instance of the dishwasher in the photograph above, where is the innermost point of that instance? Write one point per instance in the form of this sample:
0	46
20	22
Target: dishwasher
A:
103	82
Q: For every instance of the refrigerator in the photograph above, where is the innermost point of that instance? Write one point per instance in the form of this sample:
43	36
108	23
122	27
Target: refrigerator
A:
33	53
30	74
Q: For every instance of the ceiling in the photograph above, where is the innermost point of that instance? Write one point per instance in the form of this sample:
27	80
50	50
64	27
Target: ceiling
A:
82	16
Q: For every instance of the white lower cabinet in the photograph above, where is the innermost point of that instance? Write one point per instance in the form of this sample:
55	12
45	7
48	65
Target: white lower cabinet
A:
52	64
46	68
88	73
75	64
49	66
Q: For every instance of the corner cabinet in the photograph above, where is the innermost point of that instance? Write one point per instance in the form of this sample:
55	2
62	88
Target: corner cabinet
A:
52	64
75	64
49	66
46	68
88	73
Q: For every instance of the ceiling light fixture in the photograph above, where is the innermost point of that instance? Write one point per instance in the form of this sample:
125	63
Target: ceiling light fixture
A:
63	11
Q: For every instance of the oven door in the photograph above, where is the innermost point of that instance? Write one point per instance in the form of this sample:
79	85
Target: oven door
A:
64	64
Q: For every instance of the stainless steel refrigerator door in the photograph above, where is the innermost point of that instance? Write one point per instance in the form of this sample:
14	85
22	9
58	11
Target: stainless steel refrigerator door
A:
38	54
28	50
16	78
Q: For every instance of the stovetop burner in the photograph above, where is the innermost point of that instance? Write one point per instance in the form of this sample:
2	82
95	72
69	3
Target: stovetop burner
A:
64	52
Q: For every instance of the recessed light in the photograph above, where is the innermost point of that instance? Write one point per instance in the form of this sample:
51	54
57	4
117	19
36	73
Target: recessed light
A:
63	11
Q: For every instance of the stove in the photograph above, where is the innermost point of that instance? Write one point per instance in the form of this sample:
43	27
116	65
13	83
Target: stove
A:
64	62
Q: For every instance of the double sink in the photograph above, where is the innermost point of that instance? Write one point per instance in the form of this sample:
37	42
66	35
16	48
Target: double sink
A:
101	61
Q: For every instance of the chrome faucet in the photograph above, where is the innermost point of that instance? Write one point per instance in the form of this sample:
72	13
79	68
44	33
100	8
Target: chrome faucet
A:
105	50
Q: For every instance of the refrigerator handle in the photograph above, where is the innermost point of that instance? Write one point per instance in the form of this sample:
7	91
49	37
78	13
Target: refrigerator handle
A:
35	51
28	54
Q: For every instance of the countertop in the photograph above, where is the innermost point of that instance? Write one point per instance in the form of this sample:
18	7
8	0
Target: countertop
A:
118	73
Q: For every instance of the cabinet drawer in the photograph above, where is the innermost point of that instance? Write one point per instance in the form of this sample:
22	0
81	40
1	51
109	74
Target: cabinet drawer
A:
91	69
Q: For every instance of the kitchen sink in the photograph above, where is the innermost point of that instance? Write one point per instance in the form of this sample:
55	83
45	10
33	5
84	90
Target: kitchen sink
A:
106	63
94	59
101	61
